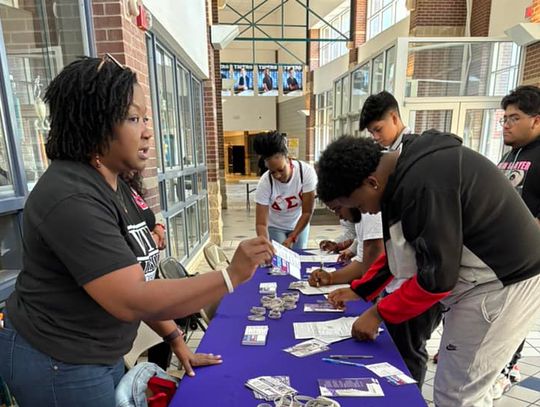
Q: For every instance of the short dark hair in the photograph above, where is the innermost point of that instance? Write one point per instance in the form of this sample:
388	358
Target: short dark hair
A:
345	164
376	106
268	144
86	100
526	98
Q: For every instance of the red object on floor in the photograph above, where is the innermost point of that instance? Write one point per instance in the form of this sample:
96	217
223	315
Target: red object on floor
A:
163	391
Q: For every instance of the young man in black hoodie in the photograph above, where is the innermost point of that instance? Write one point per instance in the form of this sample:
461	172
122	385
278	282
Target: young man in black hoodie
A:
521	165
455	229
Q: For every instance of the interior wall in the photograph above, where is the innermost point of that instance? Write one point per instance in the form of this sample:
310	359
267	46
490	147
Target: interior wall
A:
293	122
503	15
249	113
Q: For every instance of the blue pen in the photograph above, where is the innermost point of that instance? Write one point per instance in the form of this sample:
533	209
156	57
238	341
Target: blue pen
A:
342	362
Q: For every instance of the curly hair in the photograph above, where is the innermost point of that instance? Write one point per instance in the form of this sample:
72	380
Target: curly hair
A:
526	98
345	164
86	100
268	144
376	106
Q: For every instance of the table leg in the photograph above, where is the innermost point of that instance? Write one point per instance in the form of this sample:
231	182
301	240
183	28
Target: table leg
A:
247	198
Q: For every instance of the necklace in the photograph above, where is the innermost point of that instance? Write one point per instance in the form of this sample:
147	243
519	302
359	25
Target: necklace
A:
120	197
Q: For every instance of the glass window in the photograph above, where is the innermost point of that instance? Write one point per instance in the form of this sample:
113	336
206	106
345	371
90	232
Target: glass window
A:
420	120
328	51
189	185
383	14
201	182
10	254
40	37
378	72
337	103
6	182
192	226
155	110
198	121
461	69
346	90
360	87
10	243
175	191
167	109
203	216
177	239
390	69
185	109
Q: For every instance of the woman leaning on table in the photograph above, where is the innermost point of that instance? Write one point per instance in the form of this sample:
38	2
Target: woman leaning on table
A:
285	194
89	258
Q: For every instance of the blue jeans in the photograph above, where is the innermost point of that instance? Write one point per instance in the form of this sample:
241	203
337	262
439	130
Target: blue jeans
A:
279	235
36	379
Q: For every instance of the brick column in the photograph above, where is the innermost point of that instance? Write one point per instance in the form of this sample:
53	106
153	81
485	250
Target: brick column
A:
531	68
118	35
435	18
214	132
480	13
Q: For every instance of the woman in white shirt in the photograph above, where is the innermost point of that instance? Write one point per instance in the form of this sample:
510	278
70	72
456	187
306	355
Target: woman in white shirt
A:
285	194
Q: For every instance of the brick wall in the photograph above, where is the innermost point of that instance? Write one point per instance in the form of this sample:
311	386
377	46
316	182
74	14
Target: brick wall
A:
531	68
118	35
438	18
358	28
314	50
213	120
480	13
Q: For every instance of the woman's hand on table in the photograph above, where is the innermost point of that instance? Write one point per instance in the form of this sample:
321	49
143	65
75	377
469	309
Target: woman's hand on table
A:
339	297
189	360
366	326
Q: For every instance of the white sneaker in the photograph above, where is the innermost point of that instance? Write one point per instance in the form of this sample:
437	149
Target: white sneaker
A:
515	374
502	385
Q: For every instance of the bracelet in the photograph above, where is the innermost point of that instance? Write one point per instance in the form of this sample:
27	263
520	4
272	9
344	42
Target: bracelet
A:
227	278
293	238
173	335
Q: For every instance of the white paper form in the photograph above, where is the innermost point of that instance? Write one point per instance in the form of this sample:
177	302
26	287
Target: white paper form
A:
288	258
335	328
325	258
306	289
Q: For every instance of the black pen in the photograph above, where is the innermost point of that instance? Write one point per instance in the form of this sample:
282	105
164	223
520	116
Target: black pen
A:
351	356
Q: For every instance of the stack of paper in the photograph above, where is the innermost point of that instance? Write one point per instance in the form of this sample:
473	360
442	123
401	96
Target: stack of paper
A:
307	348
321	307
331	331
270	388
350	387
306	289
391	373
322	259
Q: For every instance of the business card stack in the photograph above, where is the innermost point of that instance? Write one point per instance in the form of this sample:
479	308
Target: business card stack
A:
255	335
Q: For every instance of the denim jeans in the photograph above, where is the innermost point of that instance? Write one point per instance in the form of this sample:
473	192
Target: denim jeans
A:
36	379
279	235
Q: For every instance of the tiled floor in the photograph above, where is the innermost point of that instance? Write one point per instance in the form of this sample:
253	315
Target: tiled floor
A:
238	224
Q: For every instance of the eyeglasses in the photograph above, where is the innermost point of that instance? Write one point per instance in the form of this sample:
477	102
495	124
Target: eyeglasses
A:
511	120
109	58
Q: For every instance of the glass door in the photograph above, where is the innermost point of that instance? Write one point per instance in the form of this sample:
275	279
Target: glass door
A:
476	122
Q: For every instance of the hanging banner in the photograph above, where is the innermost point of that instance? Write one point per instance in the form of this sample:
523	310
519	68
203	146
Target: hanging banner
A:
227	82
267	80
292	80
243	79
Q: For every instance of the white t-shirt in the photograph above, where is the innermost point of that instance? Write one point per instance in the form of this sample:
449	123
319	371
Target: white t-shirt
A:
369	228
285	202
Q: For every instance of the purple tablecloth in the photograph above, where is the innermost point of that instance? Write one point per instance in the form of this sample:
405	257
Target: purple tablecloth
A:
223	385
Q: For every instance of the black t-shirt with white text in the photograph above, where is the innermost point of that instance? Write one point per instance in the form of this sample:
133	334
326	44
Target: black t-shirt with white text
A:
522	167
76	228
